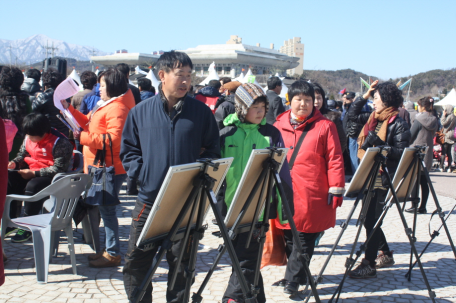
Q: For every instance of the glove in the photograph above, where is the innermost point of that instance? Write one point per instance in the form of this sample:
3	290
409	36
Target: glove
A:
372	140
335	200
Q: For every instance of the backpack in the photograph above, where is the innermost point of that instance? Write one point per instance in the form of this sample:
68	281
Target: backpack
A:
10	130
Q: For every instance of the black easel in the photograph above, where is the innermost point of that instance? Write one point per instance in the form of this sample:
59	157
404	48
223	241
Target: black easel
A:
394	199
366	191
418	160
268	176
202	190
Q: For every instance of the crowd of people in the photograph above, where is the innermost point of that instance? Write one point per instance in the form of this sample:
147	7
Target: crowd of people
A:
148	129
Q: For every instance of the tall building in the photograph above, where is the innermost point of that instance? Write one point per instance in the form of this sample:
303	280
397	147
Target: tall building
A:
294	48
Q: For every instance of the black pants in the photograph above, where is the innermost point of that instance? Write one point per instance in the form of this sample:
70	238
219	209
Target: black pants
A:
131	186
446	151
247	258
138	262
295	269
424	191
378	240
19	186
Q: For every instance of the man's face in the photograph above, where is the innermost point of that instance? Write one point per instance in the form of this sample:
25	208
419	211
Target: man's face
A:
279	89
176	82
346	100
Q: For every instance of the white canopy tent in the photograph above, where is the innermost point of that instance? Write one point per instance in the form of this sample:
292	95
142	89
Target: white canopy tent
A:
240	78
74	75
450	98
153	79
212	75
139	71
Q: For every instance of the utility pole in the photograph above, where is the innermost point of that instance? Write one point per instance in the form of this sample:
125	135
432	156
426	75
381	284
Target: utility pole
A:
11	54
94	52
53	49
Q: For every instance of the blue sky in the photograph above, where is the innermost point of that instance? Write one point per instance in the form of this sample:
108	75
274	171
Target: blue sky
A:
381	38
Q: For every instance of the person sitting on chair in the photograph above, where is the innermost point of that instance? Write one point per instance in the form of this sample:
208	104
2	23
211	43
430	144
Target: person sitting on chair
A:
44	153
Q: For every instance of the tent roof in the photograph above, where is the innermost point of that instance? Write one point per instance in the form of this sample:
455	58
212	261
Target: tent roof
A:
212	75
449	99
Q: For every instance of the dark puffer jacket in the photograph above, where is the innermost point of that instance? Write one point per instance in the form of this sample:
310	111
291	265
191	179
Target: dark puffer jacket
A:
397	137
31	87
335	117
351	124
223	110
44	104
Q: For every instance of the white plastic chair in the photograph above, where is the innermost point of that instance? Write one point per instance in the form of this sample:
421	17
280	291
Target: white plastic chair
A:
64	193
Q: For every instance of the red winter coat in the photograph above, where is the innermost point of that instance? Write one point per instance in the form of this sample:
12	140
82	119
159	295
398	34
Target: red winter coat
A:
41	155
318	168
209	101
3	186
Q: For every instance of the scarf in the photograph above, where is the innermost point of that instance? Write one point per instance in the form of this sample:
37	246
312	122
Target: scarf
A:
385	117
295	121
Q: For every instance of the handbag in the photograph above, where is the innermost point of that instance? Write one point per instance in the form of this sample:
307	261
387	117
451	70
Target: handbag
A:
274	247
439	137
102	192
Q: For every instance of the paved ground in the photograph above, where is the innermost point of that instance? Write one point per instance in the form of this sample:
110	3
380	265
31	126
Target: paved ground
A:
105	285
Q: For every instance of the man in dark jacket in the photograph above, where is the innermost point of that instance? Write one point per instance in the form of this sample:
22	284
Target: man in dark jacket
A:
31	84
210	94
145	88
275	101
125	69
225	104
169	129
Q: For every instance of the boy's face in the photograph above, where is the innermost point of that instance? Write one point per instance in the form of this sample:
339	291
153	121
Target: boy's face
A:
302	105
256	113
35	139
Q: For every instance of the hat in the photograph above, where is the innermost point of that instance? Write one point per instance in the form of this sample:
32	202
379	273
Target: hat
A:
331	104
349	95
231	86
246	95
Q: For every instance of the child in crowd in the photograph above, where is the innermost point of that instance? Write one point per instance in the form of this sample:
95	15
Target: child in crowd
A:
244	131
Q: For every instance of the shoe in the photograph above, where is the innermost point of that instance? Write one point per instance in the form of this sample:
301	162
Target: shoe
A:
214	221
448	170
231	301
280	283
291	288
383	260
410	210
106	260
21	236
420	210
96	256
132	192
10	230
363	271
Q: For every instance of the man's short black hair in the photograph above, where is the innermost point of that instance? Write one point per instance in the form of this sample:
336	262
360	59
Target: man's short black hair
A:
273	82
124	69
225	80
391	95
301	87
145	84
52	78
88	79
171	60
11	79
215	84
34	74
116	83
36	124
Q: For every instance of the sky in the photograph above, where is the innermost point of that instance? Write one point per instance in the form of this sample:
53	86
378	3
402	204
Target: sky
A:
382	38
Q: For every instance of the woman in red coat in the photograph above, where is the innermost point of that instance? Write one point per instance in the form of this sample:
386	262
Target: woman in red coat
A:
317	175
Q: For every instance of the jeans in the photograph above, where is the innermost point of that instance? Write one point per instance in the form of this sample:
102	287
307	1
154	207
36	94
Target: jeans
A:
111	224
353	148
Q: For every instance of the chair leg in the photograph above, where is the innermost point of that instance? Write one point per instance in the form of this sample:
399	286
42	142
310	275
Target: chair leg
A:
55	240
42	250
69	234
93	215
86	230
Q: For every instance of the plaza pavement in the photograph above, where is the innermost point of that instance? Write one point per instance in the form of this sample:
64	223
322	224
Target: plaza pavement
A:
106	285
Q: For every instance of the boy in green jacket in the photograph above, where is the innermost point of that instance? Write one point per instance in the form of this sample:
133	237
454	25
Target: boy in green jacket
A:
247	130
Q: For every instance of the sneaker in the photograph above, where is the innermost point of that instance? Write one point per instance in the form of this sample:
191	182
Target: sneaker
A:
106	261
363	271
10	230
383	260
291	288
449	170
21	236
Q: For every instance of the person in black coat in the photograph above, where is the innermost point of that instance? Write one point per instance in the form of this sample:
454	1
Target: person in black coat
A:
382	127
125	69
31	84
225	104
44	102
275	101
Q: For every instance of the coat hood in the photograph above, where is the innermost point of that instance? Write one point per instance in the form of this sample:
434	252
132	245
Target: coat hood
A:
233	120
448	108
30	86
209	91
428	121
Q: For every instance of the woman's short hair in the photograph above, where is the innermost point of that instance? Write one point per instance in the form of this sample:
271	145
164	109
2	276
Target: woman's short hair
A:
116	83
34	74
427	103
172	59
11	79
52	78
225	80
36	124
391	95
301	87
88	79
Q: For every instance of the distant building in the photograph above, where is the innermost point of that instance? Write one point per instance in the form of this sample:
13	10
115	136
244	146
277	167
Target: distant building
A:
294	48
131	59
234	57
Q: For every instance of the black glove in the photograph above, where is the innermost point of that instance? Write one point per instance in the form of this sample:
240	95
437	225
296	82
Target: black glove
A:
372	140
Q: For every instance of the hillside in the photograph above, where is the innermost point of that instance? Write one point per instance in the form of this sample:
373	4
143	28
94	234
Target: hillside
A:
426	83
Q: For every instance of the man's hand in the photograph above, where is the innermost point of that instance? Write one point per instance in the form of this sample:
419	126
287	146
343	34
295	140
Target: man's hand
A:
11	165
371	89
27	174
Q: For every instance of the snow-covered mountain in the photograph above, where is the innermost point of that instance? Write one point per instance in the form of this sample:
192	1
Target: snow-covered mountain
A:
32	49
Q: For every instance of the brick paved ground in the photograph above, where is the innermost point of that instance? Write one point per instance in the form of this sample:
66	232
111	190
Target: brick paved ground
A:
105	285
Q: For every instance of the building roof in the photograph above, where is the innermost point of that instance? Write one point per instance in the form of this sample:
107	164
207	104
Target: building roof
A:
127	58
